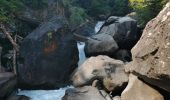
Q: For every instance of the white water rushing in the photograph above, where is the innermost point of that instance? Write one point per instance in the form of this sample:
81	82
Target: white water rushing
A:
53	94
58	94
44	94
98	26
82	56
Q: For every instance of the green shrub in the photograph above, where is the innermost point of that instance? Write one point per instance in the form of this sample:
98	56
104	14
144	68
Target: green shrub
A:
77	16
120	7
36	4
98	7
147	9
8	9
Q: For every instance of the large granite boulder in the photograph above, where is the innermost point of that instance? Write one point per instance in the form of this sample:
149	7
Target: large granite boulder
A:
122	29
83	93
151	55
100	44
105	69
8	84
138	90
48	56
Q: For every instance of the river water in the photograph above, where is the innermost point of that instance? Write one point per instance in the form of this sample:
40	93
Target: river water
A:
59	93
82	56
98	26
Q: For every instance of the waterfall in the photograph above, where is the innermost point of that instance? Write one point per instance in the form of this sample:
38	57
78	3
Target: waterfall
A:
82	56
59	93
81	45
98	26
54	94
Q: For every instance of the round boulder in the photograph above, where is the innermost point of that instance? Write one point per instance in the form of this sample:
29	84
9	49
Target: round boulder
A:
103	68
123	30
100	44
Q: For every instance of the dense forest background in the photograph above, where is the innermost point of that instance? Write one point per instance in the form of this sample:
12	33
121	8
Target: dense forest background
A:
76	12
79	11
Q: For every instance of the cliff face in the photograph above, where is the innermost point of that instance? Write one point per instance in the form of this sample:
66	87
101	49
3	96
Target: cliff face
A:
151	58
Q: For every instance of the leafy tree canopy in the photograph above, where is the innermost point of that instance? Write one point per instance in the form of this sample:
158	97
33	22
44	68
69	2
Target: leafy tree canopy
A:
8	9
147	9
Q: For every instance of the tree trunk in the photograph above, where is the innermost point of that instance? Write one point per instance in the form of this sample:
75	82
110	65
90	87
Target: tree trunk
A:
15	46
10	38
14	57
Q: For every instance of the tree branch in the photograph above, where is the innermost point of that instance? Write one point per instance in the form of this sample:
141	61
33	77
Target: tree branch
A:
15	45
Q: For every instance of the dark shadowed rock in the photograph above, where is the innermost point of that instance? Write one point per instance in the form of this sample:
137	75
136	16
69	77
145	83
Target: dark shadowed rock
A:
138	90
123	30
151	55
105	95
124	55
111	20
8	84
48	56
86	30
18	97
83	93
100	44
108	70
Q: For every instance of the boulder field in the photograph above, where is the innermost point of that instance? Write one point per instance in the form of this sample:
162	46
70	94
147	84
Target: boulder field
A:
117	34
146	77
151	55
49	57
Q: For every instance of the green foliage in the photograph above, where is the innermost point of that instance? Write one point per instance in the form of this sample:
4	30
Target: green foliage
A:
68	3
79	9
104	7
36	4
147	9
98	7
8	9
121	7
49	36
77	16
77	13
